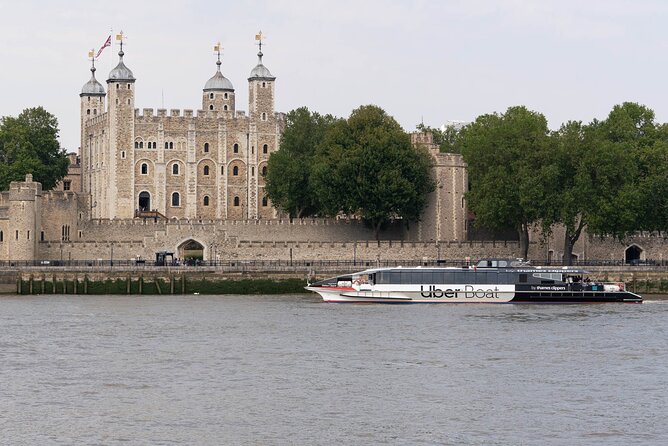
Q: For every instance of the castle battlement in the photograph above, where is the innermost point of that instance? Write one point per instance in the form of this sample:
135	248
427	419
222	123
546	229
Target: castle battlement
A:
150	115
95	120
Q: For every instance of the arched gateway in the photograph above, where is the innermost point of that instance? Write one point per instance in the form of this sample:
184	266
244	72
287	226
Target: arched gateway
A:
191	251
633	254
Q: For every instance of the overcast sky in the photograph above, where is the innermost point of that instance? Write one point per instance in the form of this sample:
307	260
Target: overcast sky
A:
428	61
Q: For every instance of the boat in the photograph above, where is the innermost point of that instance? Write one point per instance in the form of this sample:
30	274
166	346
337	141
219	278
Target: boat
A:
489	281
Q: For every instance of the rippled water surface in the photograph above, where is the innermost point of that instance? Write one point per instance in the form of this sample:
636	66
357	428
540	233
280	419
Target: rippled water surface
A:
209	370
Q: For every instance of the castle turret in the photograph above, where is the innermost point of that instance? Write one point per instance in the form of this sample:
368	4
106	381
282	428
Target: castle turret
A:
261	89
92	105
218	91
118	161
24	215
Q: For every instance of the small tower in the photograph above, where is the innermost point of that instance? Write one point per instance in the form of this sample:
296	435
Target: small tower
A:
92	105
261	88
218	93
119	159
24	216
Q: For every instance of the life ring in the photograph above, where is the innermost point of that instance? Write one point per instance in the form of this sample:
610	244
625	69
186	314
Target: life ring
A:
357	282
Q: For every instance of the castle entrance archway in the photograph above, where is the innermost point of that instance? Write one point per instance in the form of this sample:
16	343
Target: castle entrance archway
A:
191	252
633	255
144	201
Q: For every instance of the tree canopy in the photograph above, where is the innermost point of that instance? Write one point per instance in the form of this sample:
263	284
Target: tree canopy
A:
506	154
364	166
29	144
610	176
289	169
367	166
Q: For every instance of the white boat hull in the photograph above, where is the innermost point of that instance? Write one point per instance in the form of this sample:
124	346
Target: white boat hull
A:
431	294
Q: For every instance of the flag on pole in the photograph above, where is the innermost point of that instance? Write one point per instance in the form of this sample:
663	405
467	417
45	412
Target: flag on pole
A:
106	44
91	53
216	47
258	36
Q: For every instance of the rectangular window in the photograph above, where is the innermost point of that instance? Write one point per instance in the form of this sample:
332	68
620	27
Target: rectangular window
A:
41	236
67	185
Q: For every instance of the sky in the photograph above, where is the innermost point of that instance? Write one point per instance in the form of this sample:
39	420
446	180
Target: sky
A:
421	61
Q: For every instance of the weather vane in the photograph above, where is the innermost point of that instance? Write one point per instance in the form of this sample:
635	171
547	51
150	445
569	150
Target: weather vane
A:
259	36
120	37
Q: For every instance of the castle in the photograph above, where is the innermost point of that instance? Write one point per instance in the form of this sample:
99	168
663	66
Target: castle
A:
179	164
193	184
177	181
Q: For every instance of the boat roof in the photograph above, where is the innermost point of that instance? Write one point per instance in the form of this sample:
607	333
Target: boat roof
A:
473	269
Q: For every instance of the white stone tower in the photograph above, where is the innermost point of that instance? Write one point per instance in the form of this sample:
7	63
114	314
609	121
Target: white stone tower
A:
264	129
92	107
119	159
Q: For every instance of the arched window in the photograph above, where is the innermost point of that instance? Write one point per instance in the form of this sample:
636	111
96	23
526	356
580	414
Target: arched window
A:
206	170
166	145
235	171
206	147
222	170
264	171
265	202
264	84
264	116
210	95
206	200
235	148
88	111
144	169
141	144
155	145
176	199
225	107
136	144
171	145
95	111
236	201
225	95
175	169
2	237
265	148
211	107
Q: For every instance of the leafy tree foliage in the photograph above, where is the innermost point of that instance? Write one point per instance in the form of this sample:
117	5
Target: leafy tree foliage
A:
366	165
506	156
289	169
445	139
610	176
29	144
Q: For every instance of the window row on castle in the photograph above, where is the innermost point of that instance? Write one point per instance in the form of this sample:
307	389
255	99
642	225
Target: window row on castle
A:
206	171
206	200
139	144
64	234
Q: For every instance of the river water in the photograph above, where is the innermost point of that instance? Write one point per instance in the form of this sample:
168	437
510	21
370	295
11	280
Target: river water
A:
212	370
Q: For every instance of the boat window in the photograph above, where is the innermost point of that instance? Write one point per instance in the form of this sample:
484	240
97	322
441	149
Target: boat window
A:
395	277
523	278
549	276
505	278
486	277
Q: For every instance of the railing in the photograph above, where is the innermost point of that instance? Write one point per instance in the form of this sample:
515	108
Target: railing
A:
277	264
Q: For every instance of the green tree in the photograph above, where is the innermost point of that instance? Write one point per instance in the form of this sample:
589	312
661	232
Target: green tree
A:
289	169
29	144
506	156
445	139
635	199
367	166
587	176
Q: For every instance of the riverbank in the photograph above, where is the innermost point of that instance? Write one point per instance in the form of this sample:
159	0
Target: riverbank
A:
241	279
